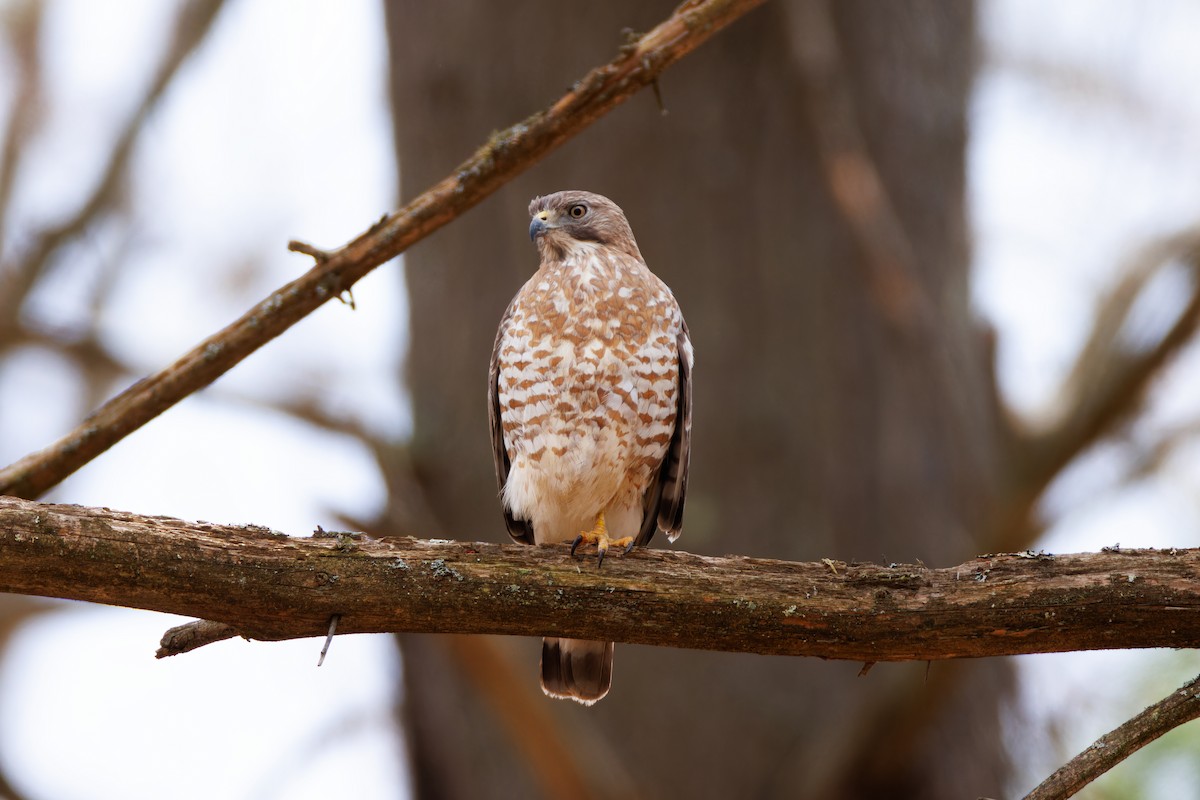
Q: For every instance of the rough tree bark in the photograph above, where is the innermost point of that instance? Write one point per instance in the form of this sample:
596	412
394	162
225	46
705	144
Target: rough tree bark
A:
814	405
265	585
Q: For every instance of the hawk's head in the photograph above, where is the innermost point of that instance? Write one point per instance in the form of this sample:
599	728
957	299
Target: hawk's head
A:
563	219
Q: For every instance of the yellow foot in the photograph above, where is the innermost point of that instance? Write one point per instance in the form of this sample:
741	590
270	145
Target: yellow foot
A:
598	536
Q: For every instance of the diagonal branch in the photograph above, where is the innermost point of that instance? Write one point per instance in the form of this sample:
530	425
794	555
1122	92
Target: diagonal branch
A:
1182	705
1110	378
1107	386
271	586
505	155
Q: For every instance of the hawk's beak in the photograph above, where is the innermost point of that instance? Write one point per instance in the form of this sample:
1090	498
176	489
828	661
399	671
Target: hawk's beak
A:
539	224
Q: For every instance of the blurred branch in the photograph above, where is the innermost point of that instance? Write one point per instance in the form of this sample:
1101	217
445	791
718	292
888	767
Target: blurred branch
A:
552	753
506	154
1179	707
588	767
409	509
1088	86
7	790
1109	379
191	26
307	407
1149	455
22	29
550	758
857	188
92	359
270	586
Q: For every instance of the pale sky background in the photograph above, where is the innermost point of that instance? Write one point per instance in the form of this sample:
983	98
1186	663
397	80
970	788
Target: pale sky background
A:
1085	144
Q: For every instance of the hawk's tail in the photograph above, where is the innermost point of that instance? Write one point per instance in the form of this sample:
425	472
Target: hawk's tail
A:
576	669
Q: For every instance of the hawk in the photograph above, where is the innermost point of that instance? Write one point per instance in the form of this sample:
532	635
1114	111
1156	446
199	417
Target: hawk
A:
590	403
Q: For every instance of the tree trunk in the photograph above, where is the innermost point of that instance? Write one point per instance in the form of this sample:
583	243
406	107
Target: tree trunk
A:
812	412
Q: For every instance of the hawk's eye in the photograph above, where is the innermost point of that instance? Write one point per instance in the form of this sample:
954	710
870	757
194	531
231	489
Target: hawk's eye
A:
577	211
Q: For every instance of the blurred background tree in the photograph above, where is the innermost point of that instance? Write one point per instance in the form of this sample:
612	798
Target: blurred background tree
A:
843	392
840	246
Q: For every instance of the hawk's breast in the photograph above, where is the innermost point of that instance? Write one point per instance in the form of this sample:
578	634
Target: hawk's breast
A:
588	383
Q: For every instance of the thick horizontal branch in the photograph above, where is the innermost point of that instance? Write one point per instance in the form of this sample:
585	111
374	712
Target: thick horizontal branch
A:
270	586
504	156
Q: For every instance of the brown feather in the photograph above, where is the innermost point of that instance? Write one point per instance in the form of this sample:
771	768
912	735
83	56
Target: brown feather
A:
639	318
519	529
576	669
608	226
674	473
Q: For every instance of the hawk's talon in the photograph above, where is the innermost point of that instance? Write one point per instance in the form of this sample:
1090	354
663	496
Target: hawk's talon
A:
598	536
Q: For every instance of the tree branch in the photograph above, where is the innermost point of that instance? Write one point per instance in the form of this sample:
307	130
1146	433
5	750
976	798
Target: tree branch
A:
270	586
1107	385
505	155
1110	377
1182	705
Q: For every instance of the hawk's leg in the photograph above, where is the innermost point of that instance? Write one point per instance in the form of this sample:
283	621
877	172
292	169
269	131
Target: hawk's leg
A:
598	536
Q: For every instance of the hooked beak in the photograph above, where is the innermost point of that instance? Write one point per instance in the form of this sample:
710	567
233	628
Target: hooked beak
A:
539	224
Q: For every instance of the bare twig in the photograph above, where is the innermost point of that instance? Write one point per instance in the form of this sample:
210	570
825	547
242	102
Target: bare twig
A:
315	253
192	635
270	586
1182	705
333	621
505	155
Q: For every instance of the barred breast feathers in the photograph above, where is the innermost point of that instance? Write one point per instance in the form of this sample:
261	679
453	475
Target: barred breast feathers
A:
587	382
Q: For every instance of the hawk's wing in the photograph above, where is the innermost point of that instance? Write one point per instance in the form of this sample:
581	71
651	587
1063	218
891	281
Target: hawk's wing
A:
519	529
663	501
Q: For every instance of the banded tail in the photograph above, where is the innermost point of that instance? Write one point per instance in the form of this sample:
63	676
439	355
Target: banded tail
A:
576	669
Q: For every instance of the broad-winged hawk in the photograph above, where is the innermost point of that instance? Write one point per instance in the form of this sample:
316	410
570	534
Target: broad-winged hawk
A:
590	404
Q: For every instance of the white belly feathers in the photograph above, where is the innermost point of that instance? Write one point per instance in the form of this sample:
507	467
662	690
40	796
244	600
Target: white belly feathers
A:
587	407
